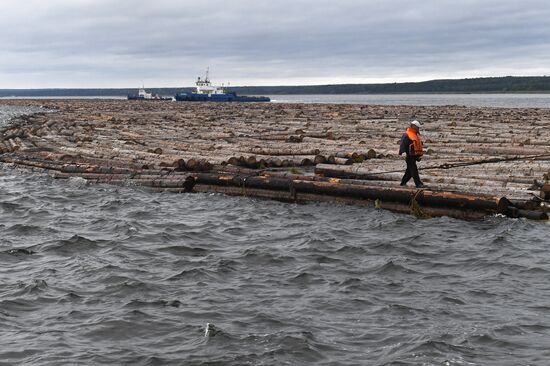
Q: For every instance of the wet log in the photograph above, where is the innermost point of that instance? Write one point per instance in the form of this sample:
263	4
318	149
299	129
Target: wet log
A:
319	159
402	195
179	165
282	151
528	214
505	151
198	165
351	172
309	197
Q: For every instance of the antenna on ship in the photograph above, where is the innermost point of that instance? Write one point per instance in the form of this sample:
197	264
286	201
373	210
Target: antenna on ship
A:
207	72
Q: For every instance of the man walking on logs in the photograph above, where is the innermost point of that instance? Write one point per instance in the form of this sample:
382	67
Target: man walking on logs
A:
411	145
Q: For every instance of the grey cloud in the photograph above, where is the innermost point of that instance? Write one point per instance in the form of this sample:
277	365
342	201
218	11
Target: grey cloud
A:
116	43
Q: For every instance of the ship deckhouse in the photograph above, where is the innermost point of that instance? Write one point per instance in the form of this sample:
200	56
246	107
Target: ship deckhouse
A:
142	94
205	87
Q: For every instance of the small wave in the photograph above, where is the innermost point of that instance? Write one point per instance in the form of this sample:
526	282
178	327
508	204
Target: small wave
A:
194	274
291	347
9	207
436	350
154	303
29	230
224	266
19	252
126	286
184	250
352	250
17	306
36	287
70	297
392	268
76	244
306	278
452	300
509	330
402	309
477	340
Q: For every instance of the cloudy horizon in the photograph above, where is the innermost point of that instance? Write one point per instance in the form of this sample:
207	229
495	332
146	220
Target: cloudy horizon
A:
110	44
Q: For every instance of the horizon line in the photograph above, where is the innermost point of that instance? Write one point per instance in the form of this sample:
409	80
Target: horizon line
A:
290	85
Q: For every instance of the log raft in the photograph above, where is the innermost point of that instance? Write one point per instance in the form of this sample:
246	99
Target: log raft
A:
295	152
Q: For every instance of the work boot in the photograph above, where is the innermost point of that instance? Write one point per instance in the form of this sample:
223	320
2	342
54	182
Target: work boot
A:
421	185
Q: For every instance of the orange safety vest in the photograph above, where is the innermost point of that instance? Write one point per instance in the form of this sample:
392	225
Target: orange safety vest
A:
417	143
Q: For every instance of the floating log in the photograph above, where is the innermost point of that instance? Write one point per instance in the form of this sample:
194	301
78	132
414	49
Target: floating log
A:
401	195
198	165
279	152
351	172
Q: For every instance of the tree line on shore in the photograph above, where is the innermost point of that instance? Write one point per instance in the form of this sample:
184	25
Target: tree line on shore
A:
508	84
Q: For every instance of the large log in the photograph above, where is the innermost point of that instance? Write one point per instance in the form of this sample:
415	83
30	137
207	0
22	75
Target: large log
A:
351	172
282	151
402	195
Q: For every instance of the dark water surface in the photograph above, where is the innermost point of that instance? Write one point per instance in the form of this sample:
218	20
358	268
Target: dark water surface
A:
101	275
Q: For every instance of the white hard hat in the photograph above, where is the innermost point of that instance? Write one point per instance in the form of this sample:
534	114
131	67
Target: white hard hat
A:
416	123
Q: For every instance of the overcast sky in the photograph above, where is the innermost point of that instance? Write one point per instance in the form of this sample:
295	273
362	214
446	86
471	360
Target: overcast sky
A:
122	43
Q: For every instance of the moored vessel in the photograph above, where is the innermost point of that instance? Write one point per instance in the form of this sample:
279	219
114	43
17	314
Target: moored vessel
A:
206	92
144	95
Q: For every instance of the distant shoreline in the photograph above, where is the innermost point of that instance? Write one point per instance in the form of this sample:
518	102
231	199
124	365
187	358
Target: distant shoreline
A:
123	96
494	85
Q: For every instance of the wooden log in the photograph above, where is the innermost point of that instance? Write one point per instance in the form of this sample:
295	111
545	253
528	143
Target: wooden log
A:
308	197
343	161
370	154
319	159
13	145
349	171
504	151
251	162
346	155
275	162
198	165
179	165
282	151
403	195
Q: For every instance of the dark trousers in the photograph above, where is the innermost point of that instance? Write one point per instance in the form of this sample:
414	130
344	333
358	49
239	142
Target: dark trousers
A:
411	172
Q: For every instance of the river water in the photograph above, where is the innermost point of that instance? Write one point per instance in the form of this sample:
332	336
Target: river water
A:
469	100
102	275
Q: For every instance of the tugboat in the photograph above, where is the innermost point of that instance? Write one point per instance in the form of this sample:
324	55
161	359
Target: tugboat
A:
143	95
206	92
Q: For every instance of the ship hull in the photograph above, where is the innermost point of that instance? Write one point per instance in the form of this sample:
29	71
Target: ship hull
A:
139	97
196	97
